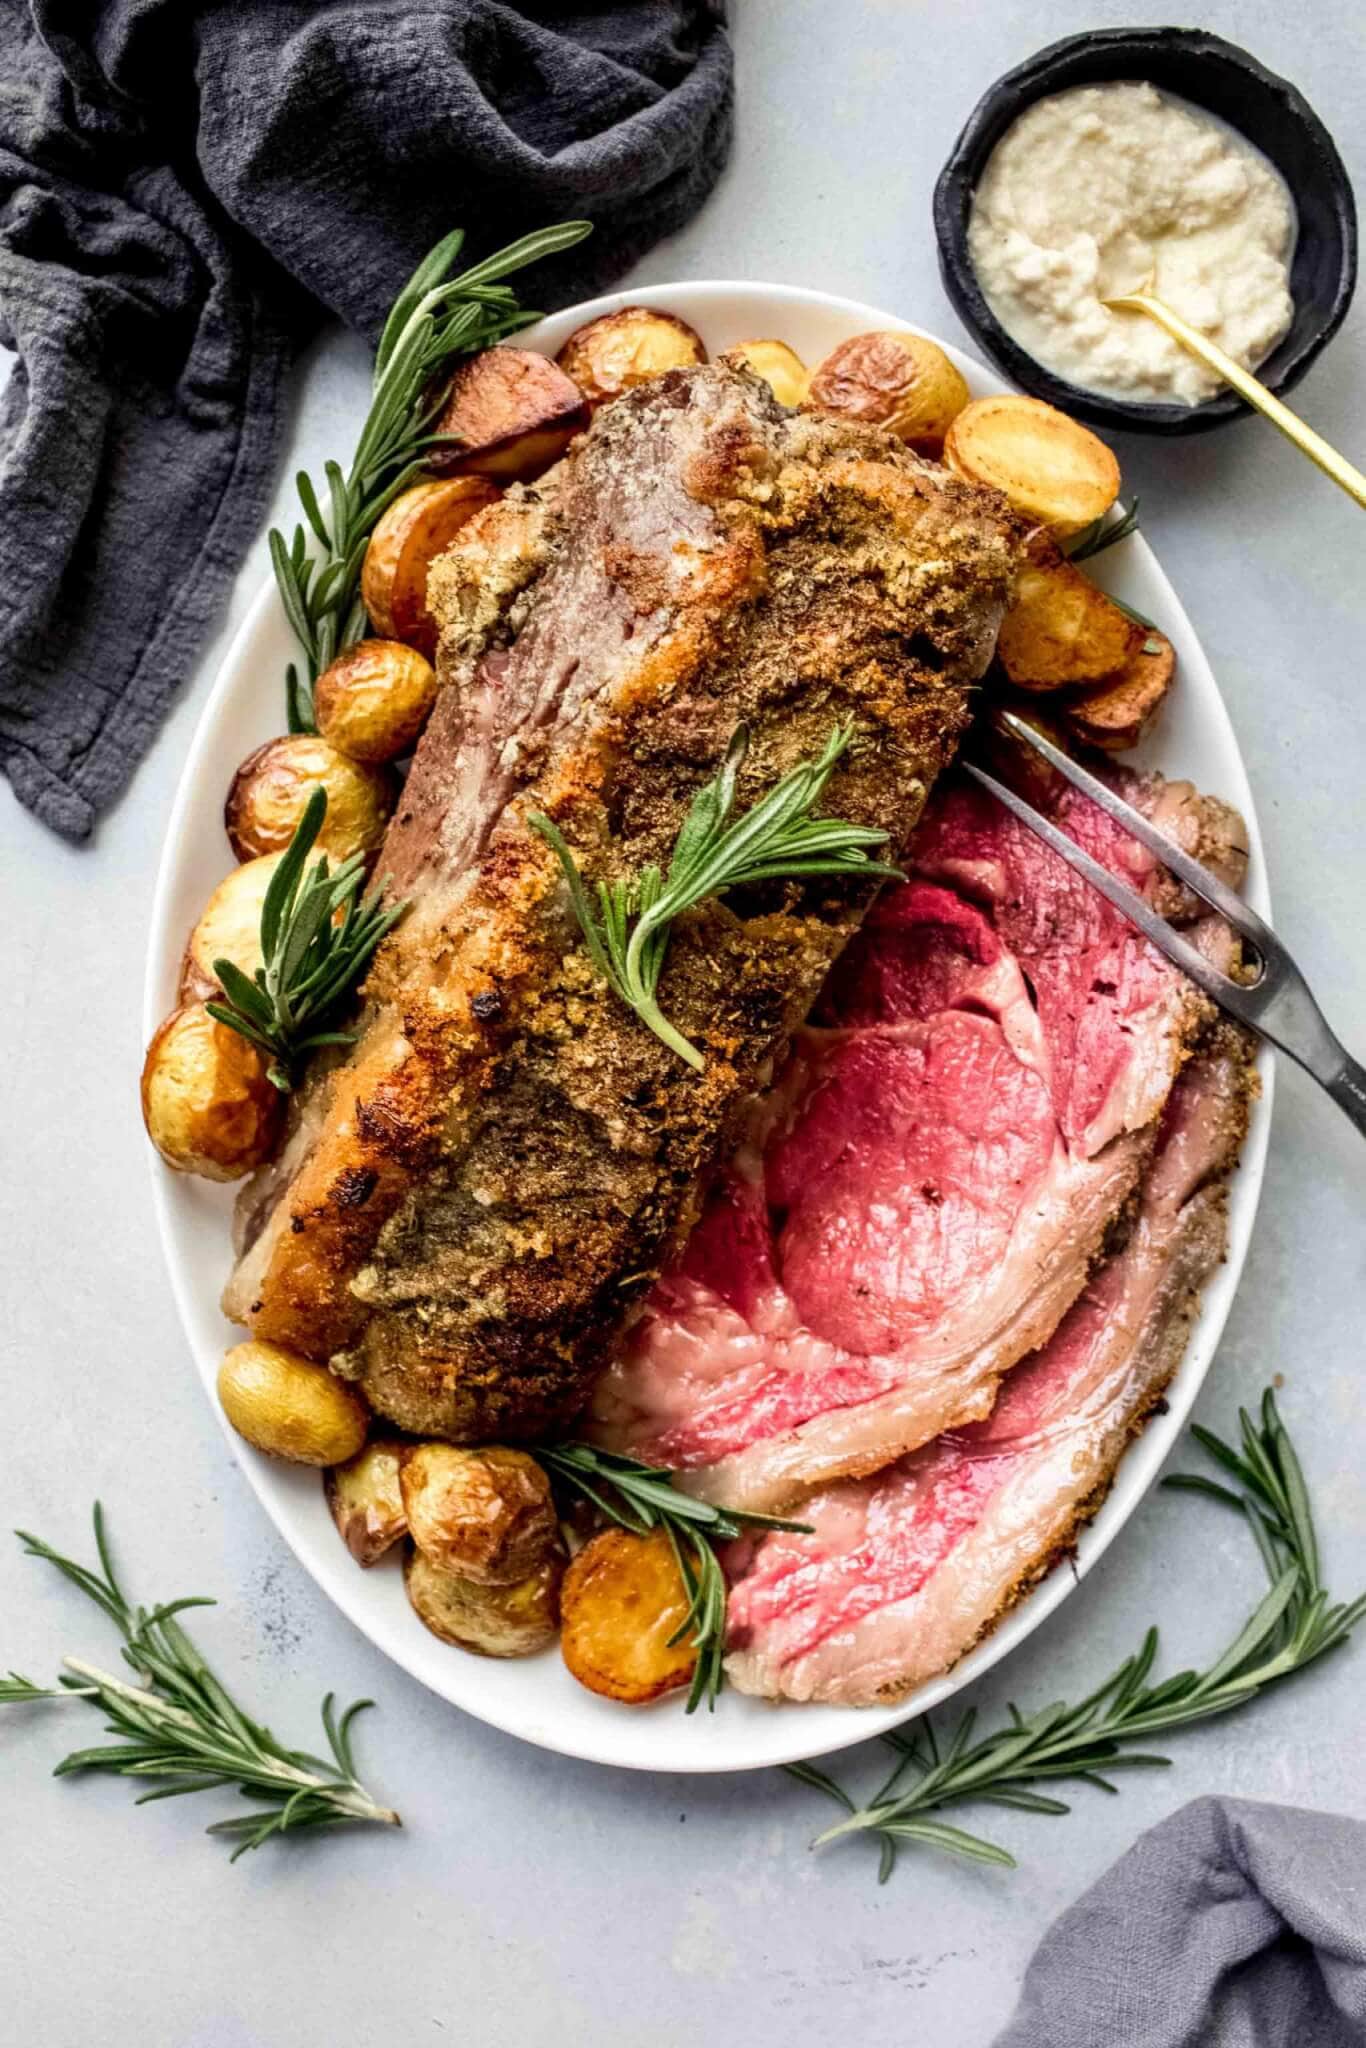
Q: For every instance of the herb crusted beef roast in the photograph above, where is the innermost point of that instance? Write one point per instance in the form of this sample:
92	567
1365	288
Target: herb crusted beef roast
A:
472	1203
925	1191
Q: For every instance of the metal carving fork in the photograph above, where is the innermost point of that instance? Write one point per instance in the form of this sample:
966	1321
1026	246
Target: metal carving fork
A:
1277	1004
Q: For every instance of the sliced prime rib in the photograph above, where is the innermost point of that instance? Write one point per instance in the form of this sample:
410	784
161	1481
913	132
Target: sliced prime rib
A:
906	1570
474	1200
936	1169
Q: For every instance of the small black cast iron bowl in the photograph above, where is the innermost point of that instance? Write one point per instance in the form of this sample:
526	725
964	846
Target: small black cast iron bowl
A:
1210	73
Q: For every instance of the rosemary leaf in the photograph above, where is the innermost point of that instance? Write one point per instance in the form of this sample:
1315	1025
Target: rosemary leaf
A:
1098	536
777	839
180	1725
1291	1628
435	319
310	963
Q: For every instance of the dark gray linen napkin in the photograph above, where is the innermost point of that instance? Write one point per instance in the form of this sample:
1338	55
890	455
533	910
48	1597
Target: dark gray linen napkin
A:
1231	1925
182	185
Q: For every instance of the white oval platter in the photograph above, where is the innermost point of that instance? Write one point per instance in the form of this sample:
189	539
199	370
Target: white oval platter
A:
535	1698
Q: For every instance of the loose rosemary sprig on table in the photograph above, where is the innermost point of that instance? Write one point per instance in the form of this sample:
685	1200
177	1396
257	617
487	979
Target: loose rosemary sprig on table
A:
435	319
777	839
642	1497
183	1730
318	935
1291	1629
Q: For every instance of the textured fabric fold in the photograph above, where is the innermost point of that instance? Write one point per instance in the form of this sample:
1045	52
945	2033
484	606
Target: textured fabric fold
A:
1233	1924
182	188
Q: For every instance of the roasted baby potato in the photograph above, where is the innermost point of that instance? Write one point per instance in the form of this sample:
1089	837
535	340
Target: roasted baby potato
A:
781	368
623	1598
1116	714
903	382
515	413
419	525
206	1102
1060	629
1050	467
229	929
495	1621
487	1515
373	701
365	1501
608	355
289	1407
272	786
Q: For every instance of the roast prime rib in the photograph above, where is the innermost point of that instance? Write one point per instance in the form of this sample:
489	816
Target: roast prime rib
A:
935	1173
904	1571
471	1204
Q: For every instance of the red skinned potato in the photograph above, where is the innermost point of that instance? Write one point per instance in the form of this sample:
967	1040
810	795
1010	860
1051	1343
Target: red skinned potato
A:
207	1104
609	355
515	413
418	526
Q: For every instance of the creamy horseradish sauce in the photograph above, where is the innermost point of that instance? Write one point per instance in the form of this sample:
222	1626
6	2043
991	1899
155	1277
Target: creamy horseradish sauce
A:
1092	189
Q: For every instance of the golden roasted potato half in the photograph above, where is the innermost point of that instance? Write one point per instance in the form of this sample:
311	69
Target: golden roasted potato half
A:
206	1102
1060	628
289	1407
781	368
487	1515
229	929
1116	714
272	786
515	413
365	1501
1050	467
623	1598
373	701
493	1621
902	382
609	355
419	525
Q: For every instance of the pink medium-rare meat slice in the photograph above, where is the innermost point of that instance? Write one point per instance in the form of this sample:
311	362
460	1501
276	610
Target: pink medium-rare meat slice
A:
928	1182
905	1571
475	1197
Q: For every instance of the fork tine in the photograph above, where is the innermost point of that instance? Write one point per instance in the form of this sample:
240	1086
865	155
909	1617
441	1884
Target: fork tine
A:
1215	892
1178	949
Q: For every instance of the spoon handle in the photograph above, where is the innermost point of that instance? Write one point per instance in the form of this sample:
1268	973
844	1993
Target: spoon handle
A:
1252	389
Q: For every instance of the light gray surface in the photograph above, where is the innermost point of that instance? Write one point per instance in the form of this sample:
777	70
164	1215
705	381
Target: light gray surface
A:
536	1901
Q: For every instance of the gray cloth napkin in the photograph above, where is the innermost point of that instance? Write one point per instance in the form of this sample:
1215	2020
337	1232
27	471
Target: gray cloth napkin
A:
1231	1925
182	184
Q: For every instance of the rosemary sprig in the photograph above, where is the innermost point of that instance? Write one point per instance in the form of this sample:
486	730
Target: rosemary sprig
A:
777	839
1095	538
643	1497
180	1727
435	319
318	934
1292	1627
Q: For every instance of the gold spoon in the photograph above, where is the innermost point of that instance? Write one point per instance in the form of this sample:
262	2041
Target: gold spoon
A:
1247	386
